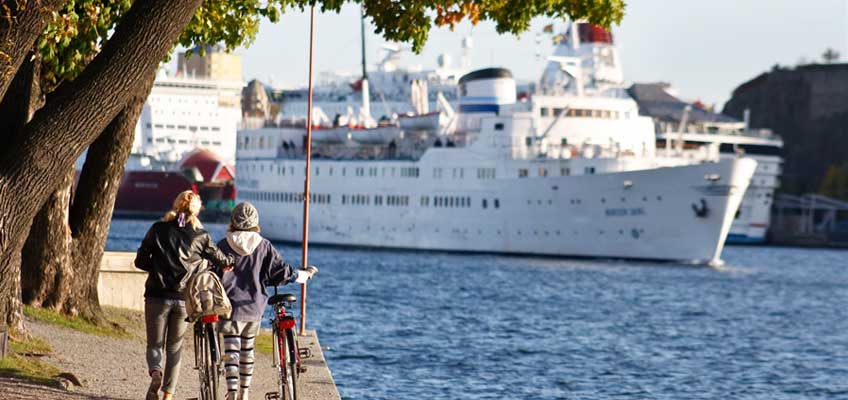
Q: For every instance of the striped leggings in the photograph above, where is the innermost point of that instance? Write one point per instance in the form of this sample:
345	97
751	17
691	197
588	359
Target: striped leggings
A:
238	352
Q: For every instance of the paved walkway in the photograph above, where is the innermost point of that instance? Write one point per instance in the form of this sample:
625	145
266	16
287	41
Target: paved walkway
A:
111	368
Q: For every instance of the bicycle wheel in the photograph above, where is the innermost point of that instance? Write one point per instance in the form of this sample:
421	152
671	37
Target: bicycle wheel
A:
280	363
213	374
202	357
291	365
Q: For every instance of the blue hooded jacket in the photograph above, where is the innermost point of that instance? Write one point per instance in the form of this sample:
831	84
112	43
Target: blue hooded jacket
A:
257	265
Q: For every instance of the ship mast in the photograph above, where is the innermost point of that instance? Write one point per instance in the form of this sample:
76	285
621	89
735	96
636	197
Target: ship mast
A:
365	112
362	31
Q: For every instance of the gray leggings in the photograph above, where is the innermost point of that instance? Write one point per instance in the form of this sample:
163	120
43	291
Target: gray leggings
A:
166	327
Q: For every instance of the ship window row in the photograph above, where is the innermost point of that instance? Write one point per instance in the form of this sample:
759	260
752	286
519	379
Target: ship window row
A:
378	200
587	113
284	197
543	172
172	113
281	170
450	201
361	199
456	173
157	99
191	128
409	172
184	141
485	173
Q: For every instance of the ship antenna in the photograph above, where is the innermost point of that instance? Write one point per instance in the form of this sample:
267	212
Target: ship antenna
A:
362	31
306	179
366	93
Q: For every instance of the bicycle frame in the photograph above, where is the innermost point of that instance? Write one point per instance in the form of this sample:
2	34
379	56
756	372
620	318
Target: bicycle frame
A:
284	323
207	356
286	354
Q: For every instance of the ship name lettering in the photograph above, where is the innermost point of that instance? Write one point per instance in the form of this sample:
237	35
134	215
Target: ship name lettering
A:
623	212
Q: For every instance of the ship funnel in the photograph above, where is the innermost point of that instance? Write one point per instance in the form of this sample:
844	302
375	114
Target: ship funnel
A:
483	93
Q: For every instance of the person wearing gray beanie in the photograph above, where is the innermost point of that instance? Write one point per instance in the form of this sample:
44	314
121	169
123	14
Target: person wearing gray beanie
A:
245	217
257	265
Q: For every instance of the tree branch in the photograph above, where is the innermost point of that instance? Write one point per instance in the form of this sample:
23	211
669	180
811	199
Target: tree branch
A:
22	99
19	29
78	112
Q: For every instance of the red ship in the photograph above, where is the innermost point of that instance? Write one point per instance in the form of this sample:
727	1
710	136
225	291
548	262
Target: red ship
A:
149	194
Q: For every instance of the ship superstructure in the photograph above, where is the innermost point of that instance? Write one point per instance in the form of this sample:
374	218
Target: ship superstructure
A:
572	171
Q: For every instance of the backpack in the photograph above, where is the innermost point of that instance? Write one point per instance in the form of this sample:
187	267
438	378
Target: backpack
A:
205	295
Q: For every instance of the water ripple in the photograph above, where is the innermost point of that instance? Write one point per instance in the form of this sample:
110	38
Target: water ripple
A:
769	324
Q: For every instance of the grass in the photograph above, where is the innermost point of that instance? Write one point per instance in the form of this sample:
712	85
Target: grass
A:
264	343
119	323
24	361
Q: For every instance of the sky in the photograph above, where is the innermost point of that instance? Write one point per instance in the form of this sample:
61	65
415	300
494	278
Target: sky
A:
704	48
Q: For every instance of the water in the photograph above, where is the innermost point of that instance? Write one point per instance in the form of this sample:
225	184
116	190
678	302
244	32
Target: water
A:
771	324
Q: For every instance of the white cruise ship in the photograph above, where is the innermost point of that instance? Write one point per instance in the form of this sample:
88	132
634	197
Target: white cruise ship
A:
574	171
690	131
753	219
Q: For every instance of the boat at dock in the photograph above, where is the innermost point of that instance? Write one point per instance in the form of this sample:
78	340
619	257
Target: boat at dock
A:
185	139
572	170
693	132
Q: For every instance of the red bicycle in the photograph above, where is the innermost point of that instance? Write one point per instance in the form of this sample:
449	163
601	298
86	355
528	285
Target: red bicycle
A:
286	353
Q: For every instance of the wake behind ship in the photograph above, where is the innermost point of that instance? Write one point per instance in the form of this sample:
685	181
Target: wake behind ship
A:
571	172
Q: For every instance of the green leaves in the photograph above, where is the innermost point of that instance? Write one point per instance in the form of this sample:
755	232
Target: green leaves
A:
411	20
75	34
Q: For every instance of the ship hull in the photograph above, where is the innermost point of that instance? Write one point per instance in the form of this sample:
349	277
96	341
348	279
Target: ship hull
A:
672	213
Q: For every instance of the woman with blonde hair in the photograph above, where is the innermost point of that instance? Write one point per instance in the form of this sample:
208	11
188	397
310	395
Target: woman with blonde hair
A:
171	252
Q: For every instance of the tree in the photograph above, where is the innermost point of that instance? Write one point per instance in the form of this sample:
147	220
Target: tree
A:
835	183
830	56
95	92
62	254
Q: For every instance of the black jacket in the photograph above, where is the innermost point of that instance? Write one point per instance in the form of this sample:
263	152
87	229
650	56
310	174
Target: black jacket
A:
171	255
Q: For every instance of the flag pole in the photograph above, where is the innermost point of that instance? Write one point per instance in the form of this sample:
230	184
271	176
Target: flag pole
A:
306	179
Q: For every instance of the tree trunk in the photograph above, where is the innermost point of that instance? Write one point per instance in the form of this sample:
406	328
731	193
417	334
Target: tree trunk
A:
21	22
24	96
61	257
76	113
45	259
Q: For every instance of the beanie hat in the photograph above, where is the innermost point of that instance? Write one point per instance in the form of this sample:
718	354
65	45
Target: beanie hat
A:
244	216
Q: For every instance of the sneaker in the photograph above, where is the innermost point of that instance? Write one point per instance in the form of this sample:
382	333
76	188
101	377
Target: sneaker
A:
155	385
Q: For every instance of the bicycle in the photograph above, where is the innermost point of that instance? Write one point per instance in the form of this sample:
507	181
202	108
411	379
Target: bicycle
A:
286	353
207	356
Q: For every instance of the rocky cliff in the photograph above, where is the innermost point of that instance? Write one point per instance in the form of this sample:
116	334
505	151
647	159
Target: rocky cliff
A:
808	107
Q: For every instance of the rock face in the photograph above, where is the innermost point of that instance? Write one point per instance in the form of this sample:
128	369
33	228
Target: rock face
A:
808	107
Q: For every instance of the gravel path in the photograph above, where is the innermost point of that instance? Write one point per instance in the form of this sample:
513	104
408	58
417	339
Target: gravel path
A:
111	368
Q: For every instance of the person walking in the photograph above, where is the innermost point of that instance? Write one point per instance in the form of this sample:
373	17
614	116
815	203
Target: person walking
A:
257	265
173	250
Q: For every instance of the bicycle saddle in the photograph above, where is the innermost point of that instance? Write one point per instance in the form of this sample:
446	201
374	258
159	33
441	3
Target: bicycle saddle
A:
282	298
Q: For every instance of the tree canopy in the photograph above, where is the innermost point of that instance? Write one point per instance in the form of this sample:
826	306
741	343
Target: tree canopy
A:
75	34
